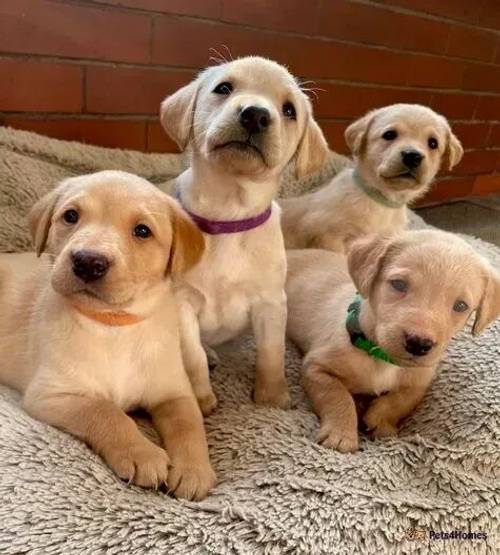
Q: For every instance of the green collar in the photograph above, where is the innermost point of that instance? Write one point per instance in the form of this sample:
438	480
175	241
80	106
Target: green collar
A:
358	338
375	194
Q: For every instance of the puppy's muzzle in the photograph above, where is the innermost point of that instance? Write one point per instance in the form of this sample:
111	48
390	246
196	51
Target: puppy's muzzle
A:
411	158
418	346
254	119
89	265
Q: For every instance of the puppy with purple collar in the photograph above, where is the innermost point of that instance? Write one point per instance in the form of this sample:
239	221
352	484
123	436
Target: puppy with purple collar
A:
244	121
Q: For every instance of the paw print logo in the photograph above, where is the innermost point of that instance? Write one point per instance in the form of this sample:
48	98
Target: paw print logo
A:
415	534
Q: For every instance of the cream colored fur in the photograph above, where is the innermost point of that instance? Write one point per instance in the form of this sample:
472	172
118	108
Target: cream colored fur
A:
83	375
240	280
439	269
340	212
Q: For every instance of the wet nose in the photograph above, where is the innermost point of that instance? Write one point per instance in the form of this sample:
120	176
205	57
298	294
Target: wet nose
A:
416	345
255	119
411	158
88	265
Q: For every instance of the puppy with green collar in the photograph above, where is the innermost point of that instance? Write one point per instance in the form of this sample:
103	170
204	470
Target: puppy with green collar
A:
378	323
397	151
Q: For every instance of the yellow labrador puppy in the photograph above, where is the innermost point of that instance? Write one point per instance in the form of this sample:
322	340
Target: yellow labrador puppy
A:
90	330
244	122
398	151
416	290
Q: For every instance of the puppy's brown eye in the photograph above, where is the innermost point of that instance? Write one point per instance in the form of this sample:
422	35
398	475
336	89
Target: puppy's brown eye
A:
142	231
71	217
390	135
460	306
289	110
399	285
432	142
224	88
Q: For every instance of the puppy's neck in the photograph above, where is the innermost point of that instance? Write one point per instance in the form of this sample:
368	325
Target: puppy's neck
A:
210	192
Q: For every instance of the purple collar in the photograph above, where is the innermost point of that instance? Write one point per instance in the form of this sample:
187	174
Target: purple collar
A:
213	227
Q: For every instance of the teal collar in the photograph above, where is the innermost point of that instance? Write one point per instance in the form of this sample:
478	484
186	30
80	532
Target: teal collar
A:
375	194
358	338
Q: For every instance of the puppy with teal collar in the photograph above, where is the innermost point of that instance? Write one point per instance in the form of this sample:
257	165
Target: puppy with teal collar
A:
397	151
378	323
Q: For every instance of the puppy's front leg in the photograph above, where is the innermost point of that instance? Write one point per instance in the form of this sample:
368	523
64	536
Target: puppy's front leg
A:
269	322
195	359
180	425
335	408
108	430
384	413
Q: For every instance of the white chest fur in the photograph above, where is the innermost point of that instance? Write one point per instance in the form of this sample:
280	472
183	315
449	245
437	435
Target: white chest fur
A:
384	377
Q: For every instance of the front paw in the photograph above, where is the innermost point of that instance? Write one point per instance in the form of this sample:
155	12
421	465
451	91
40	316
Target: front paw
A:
377	424
207	403
343	440
142	463
191	481
272	396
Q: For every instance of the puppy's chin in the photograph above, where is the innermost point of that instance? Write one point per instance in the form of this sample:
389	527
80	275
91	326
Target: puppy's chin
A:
238	158
101	294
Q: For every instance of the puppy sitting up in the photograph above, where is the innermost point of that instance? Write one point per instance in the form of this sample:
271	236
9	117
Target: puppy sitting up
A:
398	151
90	331
244	121
416	290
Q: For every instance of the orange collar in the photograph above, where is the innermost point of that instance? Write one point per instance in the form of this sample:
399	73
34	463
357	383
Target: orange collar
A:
118	318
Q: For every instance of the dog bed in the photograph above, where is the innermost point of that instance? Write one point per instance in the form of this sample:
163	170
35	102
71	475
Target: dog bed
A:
278	491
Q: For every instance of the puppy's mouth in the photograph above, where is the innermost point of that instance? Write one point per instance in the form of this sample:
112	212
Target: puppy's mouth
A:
241	146
406	175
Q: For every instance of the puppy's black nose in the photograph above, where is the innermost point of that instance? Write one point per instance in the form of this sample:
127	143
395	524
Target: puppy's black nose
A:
411	158
255	119
88	265
418	346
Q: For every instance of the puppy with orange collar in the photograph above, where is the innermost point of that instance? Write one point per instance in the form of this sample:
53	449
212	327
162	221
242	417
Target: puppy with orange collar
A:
89	331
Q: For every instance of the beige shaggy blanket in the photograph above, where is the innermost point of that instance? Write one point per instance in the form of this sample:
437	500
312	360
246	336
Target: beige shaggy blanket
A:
278	491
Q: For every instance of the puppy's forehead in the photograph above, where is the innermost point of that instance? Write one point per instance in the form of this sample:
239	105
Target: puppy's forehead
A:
256	74
412	117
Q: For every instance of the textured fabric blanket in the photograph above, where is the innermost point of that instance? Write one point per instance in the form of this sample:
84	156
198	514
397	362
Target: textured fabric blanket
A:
278	491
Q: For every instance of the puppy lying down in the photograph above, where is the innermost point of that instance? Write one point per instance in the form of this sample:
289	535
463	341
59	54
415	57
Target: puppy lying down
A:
89	331
398	151
416	290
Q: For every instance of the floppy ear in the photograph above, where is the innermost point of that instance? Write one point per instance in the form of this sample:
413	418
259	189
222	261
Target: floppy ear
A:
355	134
312	150
364	260
177	113
39	219
454	150
188	243
489	307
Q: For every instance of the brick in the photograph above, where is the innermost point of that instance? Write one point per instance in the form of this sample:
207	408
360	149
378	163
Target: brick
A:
466	42
291	15
118	90
429	71
479	161
489	14
109	133
455	105
460	10
494	138
472	135
158	140
488	107
446	189
486	184
344	101
481	77
75	31
34	86
376	25
200	8
334	134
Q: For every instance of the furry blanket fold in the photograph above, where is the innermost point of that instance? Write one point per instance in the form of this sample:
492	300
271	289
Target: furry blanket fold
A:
278	491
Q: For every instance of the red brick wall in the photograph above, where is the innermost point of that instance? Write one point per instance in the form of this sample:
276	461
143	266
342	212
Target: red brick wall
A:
96	70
